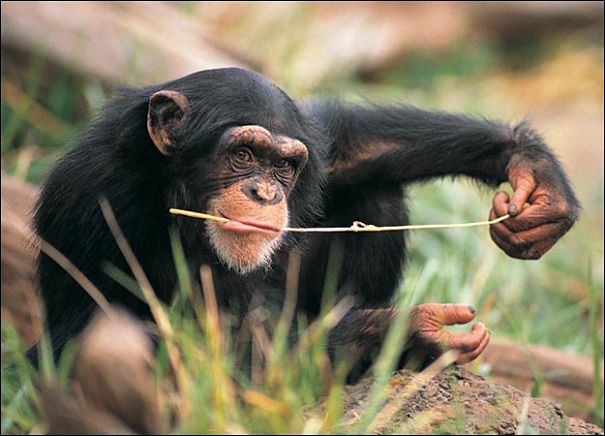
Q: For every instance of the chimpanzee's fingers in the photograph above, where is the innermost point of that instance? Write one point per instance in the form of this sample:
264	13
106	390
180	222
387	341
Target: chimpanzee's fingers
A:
541	247
532	216
524	185
465	342
529	237
505	245
451	314
500	203
527	244
530	251
500	206
473	354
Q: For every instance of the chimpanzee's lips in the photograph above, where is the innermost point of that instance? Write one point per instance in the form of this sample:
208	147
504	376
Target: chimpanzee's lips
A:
246	226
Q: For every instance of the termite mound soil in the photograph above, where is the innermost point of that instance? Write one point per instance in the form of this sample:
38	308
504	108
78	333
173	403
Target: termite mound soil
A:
457	401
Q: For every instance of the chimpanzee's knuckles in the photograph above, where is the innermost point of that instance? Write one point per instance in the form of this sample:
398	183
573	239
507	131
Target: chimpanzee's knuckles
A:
505	245
528	245
544	239
423	315
513	252
524	253
542	247
520	243
531	255
533	252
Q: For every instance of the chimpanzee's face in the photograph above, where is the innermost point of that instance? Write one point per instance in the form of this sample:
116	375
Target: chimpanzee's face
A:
246	171
257	170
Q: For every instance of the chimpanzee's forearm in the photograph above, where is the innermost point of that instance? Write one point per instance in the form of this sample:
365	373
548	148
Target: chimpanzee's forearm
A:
363	329
398	144
358	337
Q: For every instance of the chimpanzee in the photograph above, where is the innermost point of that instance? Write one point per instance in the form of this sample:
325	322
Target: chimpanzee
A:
230	143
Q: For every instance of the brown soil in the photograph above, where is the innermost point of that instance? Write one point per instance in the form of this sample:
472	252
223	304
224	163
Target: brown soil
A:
457	402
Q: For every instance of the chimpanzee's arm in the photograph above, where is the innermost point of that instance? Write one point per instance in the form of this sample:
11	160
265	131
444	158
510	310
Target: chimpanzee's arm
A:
398	144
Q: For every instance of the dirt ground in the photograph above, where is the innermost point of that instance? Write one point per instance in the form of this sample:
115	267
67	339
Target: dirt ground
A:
457	402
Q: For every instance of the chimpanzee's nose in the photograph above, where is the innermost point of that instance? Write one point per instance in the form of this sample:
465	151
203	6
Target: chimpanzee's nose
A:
264	193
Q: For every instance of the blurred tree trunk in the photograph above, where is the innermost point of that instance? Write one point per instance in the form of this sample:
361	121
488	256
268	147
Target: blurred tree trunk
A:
566	377
138	43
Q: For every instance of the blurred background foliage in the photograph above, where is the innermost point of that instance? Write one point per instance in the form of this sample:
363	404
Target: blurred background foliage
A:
505	60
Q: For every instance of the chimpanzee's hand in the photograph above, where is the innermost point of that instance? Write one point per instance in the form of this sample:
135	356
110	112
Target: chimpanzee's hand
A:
426	331
552	210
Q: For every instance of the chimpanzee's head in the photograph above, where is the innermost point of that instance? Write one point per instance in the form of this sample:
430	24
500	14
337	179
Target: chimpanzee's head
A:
237	147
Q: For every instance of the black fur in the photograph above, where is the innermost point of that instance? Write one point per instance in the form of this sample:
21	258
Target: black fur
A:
115	158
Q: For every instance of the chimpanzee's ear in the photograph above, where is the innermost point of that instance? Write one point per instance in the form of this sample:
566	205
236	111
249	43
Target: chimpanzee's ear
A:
166	115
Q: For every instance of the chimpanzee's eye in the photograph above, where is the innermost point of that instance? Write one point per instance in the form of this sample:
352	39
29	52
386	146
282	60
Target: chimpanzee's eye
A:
285	168
242	157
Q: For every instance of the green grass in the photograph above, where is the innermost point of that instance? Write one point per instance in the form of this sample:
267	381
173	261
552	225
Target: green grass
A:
535	302
298	391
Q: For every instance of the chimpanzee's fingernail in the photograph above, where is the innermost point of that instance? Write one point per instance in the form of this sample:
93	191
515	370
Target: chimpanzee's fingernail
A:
512	208
471	309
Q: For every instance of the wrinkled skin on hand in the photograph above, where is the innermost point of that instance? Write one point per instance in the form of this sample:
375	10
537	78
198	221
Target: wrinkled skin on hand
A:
537	180
426	333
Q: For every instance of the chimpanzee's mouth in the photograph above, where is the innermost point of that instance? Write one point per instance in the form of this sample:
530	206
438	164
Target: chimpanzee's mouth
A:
246	226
